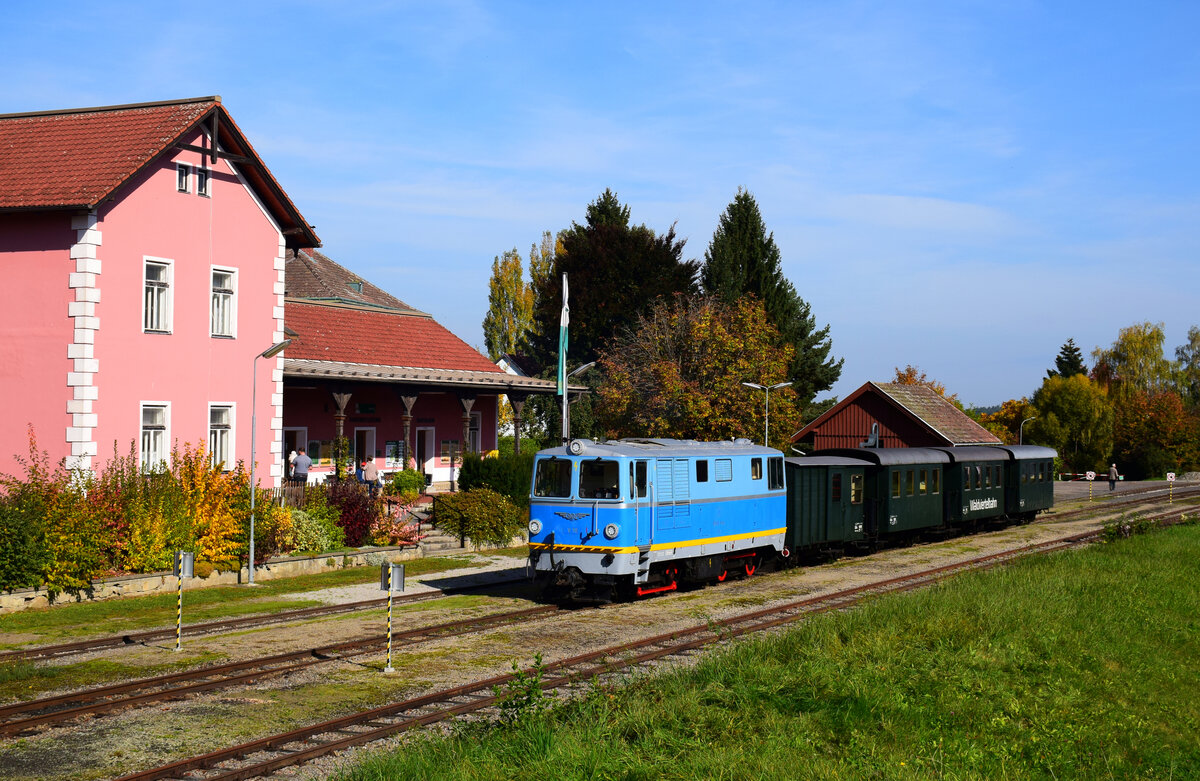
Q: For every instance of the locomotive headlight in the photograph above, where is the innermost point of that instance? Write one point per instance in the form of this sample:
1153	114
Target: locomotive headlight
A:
535	526
611	531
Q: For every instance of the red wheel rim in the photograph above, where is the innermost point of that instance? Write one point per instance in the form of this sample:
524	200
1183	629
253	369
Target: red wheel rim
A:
750	568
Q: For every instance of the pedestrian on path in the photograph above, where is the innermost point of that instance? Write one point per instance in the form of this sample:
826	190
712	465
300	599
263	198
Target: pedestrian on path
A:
1112	477
370	475
301	466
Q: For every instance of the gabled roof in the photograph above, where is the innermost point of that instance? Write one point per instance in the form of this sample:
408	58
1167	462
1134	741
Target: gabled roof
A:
368	335
315	276
920	403
362	342
77	158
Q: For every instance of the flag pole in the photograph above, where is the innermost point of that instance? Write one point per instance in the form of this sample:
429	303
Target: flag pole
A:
563	320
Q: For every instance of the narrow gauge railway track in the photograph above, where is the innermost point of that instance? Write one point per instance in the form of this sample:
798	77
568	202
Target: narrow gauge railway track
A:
267	755
231	624
23	718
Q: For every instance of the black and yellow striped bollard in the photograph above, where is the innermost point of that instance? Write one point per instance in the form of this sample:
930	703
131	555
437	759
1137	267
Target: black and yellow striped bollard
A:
183	569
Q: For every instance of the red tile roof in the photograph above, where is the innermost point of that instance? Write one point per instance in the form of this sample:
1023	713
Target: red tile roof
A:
314	275
76	158
361	335
935	411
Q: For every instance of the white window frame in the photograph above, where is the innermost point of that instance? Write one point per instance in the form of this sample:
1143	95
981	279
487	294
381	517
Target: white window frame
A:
203	181
230	459
183	173
168	299
233	302
161	454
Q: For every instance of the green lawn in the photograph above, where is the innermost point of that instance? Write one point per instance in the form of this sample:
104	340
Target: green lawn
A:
1077	665
66	622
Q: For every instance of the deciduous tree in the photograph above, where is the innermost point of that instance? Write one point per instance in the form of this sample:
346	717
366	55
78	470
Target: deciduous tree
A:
1075	417
1153	434
678	372
1006	421
510	305
742	259
1188	356
1135	362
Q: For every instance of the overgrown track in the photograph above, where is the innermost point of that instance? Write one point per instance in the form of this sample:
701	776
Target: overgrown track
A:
26	717
230	624
267	755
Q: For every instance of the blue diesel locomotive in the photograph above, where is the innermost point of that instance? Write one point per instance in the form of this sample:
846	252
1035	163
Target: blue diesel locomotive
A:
638	516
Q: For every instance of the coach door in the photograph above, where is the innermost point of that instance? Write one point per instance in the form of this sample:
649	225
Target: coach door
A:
641	488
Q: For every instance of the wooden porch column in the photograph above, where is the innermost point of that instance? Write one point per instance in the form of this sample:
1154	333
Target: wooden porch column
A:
517	400
409	400
339	417
467	400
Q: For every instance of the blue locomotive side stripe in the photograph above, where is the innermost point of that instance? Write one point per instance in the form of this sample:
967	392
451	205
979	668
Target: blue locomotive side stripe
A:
620	504
658	546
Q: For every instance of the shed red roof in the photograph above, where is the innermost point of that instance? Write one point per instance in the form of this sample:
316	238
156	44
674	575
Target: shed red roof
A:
353	334
76	158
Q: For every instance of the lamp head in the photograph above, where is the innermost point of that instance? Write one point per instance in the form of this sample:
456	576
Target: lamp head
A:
275	349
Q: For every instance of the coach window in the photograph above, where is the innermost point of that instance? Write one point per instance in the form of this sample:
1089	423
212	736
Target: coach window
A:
553	478
909	483
987	477
935	482
598	479
966	478
756	469
896	484
701	471
774	473
978	478
856	489
923	485
835	491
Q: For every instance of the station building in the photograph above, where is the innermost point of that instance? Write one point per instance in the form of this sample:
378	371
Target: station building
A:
150	259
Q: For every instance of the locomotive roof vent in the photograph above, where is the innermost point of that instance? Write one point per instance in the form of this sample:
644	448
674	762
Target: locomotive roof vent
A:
742	441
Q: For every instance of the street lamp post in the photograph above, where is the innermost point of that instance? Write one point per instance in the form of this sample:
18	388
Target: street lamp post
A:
566	401
270	352
767	421
1021	430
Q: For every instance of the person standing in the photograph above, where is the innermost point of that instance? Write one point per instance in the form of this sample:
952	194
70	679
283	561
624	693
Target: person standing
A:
1112	477
370	475
301	466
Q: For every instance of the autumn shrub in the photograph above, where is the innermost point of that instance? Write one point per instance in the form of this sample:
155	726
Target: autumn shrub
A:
315	532
396	525
407	483
480	514
24	506
357	509
510	475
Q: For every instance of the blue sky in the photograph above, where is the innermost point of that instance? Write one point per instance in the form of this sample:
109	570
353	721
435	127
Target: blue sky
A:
962	186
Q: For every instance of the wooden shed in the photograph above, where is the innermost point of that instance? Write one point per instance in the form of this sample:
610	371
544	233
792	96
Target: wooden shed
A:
906	416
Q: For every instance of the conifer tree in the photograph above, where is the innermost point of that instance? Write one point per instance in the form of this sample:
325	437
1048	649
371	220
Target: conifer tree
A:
1069	362
742	259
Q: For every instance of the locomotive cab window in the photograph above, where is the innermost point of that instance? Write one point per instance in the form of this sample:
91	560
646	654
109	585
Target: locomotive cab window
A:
756	469
856	489
701	471
599	479
553	478
774	473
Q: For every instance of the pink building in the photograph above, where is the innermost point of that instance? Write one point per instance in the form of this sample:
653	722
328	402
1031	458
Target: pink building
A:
143	251
399	386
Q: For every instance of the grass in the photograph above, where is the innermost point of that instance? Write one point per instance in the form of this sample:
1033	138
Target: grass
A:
1077	665
79	620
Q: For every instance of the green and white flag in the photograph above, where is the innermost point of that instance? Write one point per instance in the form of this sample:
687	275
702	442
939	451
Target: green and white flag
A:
563	320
